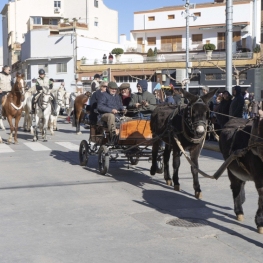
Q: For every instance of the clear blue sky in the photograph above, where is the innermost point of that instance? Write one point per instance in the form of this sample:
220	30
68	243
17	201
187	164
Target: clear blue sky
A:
126	9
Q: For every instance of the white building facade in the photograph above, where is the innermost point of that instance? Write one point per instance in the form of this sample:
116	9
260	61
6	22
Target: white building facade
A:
165	28
19	16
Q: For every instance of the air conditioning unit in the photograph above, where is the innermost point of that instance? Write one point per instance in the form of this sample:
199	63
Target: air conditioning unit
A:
57	10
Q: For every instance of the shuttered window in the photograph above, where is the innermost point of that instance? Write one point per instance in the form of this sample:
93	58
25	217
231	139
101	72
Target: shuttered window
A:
171	43
151	18
139	40
151	41
197	38
170	16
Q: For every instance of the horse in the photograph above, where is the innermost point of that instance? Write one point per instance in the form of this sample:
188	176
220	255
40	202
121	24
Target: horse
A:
244	137
12	105
62	98
72	98
79	104
186	124
43	112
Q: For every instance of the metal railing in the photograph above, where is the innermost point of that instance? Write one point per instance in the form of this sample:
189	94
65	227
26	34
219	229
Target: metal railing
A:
169	58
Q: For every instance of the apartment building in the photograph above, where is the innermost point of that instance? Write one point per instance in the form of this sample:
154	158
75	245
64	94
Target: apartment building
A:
164	28
20	16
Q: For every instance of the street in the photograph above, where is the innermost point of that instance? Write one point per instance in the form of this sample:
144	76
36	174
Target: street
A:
55	211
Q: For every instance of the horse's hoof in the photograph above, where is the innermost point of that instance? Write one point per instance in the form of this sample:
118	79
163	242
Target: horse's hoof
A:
78	133
16	142
260	229
1	141
177	188
34	139
198	195
152	171
241	218
169	182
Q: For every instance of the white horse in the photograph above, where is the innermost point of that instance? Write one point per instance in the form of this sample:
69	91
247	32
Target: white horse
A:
42	114
72	98
62	98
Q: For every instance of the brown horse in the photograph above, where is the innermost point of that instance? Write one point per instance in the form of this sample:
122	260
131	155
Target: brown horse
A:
13	106
79	105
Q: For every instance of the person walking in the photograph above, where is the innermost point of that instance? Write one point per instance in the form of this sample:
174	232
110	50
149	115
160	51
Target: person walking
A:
95	83
237	104
5	84
223	108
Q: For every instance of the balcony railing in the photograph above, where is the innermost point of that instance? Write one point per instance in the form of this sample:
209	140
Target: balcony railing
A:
168	58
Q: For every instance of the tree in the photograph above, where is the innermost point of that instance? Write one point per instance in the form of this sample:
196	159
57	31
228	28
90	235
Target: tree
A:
155	52
150	53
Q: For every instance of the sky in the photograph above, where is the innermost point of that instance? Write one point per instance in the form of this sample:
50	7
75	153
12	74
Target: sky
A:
126	8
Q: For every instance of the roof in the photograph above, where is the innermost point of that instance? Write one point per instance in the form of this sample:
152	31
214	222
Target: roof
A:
200	5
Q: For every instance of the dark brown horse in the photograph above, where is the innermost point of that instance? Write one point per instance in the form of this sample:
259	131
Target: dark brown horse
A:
13	106
245	137
188	124
79	109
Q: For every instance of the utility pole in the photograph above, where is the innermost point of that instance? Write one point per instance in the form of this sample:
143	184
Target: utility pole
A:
229	39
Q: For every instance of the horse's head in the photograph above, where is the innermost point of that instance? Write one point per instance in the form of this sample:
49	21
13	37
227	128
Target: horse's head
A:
60	97
197	112
256	138
45	97
88	94
19	84
66	99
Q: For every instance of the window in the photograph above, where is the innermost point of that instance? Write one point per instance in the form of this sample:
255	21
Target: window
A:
197	38
243	76
151	18
43	66
96	22
57	4
171	43
62	68
96	3
37	20
170	16
151	41
197	14
139	40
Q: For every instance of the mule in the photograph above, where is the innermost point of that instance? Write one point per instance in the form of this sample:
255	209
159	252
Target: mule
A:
246	137
12	106
79	109
42	114
188	124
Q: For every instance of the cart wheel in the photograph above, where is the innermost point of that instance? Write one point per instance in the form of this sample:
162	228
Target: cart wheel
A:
104	160
83	153
134	160
160	166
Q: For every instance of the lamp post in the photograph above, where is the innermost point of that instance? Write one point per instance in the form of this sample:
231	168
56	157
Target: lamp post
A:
187	15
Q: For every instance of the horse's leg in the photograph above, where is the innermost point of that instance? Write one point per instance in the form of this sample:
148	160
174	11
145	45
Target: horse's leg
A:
51	124
166	158
12	128
35	129
194	154
238	190
77	116
17	119
176	165
155	148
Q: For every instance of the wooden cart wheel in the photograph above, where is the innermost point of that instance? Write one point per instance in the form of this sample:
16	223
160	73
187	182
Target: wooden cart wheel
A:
160	166
104	159
134	160
83	153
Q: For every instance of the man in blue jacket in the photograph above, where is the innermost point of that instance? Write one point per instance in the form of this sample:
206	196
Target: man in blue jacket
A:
109	105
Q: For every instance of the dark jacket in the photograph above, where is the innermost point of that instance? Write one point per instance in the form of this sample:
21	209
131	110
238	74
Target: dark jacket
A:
177	99
108	102
145	96
237	104
93	105
223	108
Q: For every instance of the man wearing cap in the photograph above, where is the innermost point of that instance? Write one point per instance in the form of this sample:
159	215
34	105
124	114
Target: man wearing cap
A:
143	100
125	93
237	104
95	83
109	105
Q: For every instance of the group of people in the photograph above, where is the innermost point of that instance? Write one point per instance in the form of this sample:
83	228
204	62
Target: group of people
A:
110	59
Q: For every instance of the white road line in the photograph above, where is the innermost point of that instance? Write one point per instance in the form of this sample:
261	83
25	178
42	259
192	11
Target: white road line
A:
69	145
5	148
36	146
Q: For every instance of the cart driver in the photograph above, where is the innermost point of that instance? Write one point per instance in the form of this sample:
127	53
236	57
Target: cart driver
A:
109	105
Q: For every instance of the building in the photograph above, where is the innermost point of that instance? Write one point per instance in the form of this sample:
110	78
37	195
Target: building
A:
20	16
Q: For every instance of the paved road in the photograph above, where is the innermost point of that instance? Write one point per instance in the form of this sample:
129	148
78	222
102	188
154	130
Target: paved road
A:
54	211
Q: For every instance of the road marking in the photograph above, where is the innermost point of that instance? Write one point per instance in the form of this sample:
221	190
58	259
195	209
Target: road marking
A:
5	148
69	145
36	146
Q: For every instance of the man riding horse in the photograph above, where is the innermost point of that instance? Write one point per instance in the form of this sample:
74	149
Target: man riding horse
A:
5	84
43	81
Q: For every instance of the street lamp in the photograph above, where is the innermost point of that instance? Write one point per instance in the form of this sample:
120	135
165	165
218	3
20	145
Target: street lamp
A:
186	15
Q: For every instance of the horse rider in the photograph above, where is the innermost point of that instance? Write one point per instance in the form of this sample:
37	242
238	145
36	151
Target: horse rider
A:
143	101
5	84
95	83
43	81
109	105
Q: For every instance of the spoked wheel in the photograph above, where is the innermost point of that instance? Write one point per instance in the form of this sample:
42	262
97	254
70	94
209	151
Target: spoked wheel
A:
134	160
104	160
160	166
83	153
